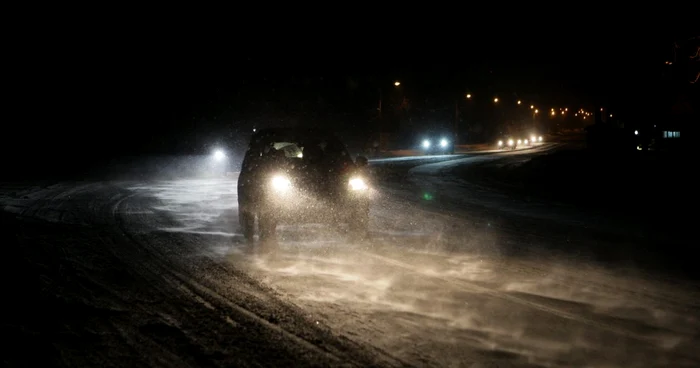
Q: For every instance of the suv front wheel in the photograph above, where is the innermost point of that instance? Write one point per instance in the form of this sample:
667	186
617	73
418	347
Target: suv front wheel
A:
359	222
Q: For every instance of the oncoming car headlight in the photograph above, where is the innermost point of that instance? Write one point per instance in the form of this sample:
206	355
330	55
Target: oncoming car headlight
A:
357	184
510	142
426	144
500	143
443	143
219	155
281	183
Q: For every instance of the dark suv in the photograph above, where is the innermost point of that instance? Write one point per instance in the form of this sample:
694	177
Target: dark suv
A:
295	175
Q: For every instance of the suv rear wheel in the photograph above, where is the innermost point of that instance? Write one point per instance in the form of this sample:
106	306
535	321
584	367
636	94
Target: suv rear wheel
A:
267	225
247	222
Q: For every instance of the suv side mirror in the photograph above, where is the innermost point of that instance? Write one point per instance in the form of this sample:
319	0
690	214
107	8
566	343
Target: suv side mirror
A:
361	161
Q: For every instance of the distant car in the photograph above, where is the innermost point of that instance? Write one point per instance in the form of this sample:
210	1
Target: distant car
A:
513	142
533	139
437	144
508	143
301	176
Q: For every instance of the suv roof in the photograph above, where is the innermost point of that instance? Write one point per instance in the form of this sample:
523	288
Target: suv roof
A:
293	133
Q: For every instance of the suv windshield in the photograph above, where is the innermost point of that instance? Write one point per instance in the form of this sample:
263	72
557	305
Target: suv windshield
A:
290	149
316	150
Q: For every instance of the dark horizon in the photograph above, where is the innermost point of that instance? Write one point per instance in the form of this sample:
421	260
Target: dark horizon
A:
129	98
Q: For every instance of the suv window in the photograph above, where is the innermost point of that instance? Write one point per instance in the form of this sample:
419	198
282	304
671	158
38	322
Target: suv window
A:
290	149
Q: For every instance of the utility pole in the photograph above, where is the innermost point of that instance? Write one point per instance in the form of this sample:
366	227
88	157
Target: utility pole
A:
456	128
382	126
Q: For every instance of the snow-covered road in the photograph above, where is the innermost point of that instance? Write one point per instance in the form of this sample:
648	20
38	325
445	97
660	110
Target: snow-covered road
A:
158	274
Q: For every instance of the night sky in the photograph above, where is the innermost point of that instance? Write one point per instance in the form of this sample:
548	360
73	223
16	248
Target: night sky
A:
117	94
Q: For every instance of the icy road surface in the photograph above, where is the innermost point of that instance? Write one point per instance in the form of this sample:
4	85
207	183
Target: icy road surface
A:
157	274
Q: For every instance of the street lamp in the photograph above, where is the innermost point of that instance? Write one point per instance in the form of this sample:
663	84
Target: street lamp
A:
537	111
518	102
495	100
532	107
553	113
469	95
379	108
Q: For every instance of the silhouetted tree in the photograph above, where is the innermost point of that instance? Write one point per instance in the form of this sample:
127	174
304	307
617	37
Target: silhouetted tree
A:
686	56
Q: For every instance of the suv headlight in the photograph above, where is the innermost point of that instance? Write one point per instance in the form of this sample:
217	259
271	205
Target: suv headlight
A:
281	183
357	184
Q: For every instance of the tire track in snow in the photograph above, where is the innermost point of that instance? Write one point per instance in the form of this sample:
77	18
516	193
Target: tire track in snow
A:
198	289
208	297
